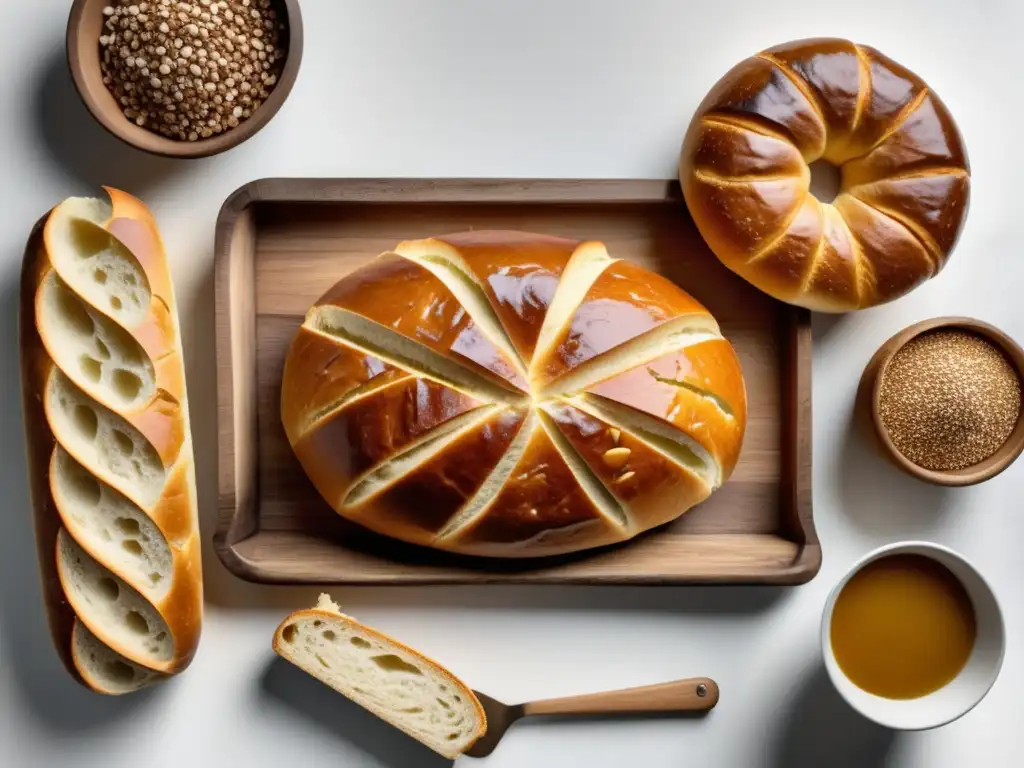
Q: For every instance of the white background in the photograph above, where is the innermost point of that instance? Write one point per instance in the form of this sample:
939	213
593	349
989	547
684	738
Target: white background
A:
531	88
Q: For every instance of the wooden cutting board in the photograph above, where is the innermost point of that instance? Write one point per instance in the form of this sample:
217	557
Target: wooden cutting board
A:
282	242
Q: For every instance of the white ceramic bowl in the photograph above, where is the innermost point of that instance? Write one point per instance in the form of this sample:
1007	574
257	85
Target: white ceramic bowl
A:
964	692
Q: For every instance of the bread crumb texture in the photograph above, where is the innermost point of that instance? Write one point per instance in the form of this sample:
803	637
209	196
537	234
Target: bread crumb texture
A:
401	687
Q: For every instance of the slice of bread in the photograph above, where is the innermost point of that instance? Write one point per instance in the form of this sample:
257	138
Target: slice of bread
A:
110	528
394	682
105	670
111	609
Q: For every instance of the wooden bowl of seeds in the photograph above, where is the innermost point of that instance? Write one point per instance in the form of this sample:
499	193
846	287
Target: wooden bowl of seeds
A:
943	398
184	78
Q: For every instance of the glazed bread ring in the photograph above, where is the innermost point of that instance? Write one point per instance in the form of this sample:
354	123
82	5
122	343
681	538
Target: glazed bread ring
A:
905	176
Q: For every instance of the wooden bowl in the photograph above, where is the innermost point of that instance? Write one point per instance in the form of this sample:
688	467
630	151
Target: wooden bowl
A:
871	387
85	25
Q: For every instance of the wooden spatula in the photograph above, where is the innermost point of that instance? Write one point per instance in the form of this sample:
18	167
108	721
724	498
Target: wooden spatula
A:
698	694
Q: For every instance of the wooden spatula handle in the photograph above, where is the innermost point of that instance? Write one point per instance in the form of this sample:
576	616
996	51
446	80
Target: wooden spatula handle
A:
694	695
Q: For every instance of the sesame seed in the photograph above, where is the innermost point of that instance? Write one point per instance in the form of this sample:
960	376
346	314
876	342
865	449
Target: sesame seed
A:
949	399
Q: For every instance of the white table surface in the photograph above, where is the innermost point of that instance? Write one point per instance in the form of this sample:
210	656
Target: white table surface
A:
530	88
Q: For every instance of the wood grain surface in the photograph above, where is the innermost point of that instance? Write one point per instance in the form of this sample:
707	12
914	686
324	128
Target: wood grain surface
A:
282	242
694	695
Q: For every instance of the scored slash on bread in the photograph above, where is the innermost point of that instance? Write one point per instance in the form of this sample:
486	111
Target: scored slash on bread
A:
391	680
426	396
109	444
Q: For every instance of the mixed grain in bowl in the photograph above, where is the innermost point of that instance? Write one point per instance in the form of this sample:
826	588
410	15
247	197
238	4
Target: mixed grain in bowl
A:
105	85
191	70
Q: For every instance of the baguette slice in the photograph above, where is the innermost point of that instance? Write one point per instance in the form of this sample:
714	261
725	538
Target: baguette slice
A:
391	680
105	670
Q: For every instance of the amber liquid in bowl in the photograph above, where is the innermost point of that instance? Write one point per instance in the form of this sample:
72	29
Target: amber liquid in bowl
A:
903	627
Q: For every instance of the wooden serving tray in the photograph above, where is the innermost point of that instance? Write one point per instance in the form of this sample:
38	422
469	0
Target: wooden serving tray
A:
282	243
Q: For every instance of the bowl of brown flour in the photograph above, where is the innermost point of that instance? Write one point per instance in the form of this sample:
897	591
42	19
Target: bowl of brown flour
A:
943	397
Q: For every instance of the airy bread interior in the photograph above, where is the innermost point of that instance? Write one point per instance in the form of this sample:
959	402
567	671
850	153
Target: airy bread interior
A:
103	440
94	263
107	414
403	688
111	527
94	351
113	611
103	669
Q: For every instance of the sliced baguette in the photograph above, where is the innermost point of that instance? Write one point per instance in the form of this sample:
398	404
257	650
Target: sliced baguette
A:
110	452
389	679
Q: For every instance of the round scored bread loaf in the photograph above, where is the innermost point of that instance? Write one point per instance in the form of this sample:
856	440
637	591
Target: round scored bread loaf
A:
511	395
110	452
904	170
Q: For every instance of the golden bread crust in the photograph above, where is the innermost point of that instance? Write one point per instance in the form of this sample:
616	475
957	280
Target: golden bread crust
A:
411	450
905	186
161	419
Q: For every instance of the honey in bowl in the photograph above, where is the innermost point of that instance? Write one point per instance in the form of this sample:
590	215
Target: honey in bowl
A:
903	627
